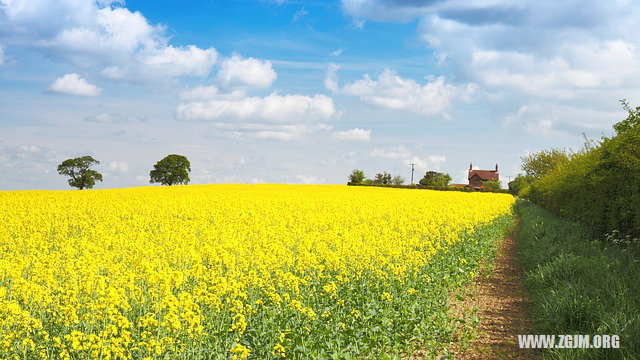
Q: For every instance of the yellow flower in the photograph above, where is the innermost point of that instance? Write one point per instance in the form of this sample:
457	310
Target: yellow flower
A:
152	271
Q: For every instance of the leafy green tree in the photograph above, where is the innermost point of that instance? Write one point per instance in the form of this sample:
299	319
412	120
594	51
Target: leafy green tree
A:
356	177
382	178
397	180
433	178
632	120
78	169
543	162
519	183
173	169
492	184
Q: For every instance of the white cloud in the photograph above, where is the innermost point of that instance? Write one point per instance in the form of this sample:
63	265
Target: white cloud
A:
119	166
337	52
203	93
274	117
579	53
580	68
29	166
353	134
1	54
299	14
288	132
237	71
331	78
113	118
380	10
546	119
104	34
391	91
310	179
164	63
73	84
402	153
273	107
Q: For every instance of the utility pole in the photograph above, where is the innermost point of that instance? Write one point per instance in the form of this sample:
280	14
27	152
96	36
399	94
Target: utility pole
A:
412	165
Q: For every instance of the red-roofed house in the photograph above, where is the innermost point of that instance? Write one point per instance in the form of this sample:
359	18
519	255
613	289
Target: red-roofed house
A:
476	177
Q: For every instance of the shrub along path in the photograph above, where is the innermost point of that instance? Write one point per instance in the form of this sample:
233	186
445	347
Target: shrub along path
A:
502	303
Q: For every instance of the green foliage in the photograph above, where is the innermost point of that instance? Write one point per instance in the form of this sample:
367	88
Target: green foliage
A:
432	178
397	180
578	284
382	178
543	162
492	184
599	185
632	121
173	169
78	169
356	177
417	317
519	183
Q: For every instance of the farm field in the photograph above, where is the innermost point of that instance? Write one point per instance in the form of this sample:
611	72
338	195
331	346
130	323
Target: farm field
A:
238	271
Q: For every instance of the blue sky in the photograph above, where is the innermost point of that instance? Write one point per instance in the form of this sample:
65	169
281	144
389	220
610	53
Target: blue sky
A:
305	91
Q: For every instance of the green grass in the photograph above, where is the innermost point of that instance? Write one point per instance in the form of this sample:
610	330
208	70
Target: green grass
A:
578	284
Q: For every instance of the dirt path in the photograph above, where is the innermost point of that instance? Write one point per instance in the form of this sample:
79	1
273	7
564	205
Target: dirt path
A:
503	314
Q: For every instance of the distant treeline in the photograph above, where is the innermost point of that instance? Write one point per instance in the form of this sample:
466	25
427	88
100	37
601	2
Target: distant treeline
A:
431	180
442	188
598	186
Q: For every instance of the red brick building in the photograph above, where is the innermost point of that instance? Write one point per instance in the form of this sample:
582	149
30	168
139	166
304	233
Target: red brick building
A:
476	177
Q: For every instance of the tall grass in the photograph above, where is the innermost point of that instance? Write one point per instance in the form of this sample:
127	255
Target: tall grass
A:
578	284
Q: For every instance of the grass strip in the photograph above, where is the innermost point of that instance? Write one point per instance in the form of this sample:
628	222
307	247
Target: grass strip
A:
578	284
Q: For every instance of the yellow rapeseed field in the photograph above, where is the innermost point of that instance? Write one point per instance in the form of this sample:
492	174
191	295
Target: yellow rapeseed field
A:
226	271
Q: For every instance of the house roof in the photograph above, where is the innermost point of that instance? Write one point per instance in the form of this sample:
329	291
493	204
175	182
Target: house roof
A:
484	175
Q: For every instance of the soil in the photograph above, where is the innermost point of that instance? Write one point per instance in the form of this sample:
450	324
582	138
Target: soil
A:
502	303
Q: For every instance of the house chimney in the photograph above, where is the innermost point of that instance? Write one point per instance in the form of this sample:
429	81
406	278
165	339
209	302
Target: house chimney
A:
470	166
496	167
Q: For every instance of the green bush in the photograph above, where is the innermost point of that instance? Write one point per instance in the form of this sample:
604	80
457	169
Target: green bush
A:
599	186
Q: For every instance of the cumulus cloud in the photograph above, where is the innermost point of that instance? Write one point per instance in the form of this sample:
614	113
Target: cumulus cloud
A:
386	10
238	71
24	166
236	115
104	34
73	84
356	134
545	119
310	179
281	132
273	107
203	93
163	63
391	91
118	166
579	53
407	157
106	117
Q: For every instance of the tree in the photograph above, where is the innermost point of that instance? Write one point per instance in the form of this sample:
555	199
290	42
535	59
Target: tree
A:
382	178
543	162
78	169
356	177
173	169
433	178
492	184
397	180
519	183
632	120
